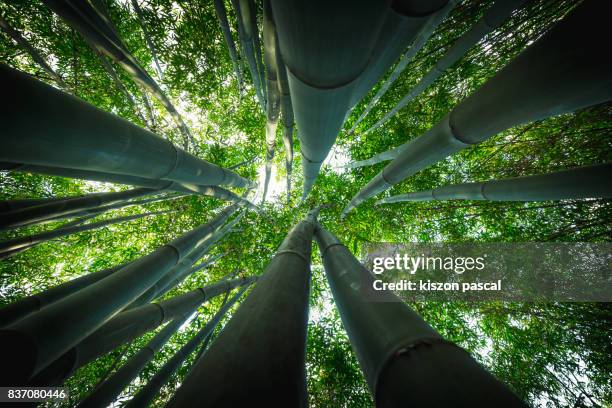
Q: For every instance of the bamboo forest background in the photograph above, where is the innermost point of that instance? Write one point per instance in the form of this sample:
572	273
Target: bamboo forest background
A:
555	354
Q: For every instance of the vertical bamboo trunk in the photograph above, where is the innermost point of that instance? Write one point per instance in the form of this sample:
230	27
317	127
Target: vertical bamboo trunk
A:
145	32
31	344
262	348
33	303
33	53
84	138
576	183
246	41
273	94
250	18
150	390
404	360
229	41
287	113
42	212
321	92
84	18
491	20
189	188
126	327
563	71
14	246
421	38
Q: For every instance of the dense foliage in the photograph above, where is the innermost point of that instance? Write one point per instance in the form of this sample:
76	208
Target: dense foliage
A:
553	354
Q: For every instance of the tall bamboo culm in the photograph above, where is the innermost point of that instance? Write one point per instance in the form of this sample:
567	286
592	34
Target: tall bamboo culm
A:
404	360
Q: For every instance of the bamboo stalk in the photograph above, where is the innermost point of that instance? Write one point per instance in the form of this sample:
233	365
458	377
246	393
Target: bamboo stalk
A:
286	108
12	205
148	392
249	10
14	246
424	33
188	188
109	390
262	347
126	327
402	25
33	53
167	282
179	276
273	94
28	347
147	37
43	212
404	360
576	183
84	138
33	303
491	20
94	212
229	41
561	72
321	92
246	41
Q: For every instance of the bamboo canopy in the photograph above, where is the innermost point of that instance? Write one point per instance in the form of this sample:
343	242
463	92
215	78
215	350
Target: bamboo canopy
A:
265	363
147	37
404	360
320	60
576	183
561	72
36	56
83	137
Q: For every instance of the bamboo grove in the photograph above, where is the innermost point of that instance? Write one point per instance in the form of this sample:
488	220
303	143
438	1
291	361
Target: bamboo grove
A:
187	188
